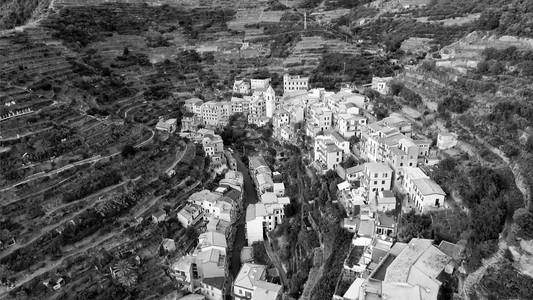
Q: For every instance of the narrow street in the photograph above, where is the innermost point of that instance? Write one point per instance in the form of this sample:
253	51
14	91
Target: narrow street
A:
249	197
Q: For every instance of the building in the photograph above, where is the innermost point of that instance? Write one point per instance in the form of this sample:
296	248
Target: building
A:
326	153
251	283
168	245
376	177
389	141
264	216
216	205
190	215
259	84
295	83
191	105
422	191
339	141
381	84
319	120
168	126
241	87
159	216
240	105
446	140
212	144
419	265
261	175
182	270
216	114
349	125
385	201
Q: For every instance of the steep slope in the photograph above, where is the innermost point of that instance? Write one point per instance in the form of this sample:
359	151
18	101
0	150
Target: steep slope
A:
17	12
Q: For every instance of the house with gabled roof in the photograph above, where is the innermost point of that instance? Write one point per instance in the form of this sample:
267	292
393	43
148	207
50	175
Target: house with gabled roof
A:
251	283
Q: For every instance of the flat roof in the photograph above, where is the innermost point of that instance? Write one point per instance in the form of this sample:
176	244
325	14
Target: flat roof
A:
427	186
377	167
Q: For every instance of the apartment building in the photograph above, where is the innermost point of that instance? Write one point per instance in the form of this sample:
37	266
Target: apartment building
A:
327	153
349	125
295	83
216	114
376	177
240	105
319	119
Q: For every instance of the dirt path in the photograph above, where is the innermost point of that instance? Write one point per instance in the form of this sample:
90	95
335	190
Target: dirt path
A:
472	280
177	160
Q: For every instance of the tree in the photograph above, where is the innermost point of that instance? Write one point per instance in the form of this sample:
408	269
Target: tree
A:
489	20
128	151
259	253
524	219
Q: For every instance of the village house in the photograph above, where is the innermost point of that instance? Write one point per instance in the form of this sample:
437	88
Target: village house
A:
216	114
422	191
319	120
191	105
293	83
240	105
264	216
168	126
241	87
446	140
385	201
349	125
212	144
251	284
261	174
381	84
326	153
159	216
376	177
168	245
419	265
190	215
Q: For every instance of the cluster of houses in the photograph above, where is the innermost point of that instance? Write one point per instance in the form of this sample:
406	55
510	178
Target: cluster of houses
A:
396	161
204	270
265	215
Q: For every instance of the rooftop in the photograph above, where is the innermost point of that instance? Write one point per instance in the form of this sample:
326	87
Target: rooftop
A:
414	173
452	250
266	291
217	282
400	291
427	186
366	228
249	275
377	168
210	238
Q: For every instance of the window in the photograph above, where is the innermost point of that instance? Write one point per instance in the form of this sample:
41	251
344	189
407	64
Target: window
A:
248	294
375	175
401	164
375	182
383	182
385	175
